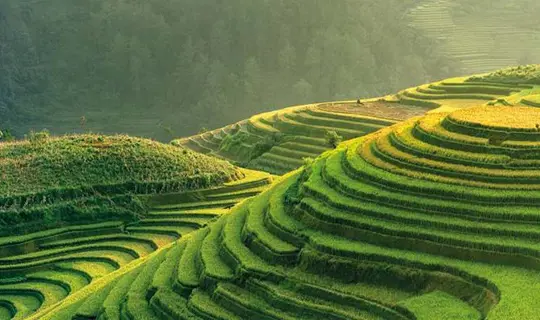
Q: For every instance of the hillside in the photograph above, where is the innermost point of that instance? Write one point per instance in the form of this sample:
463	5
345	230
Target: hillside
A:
43	270
482	35
427	210
43	177
279	141
432	218
157	68
84	210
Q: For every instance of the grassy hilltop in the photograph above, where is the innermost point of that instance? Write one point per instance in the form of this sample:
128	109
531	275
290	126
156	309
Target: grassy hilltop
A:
77	161
42	177
428	210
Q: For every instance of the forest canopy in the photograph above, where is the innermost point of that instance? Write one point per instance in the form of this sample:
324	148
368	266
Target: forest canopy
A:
160	68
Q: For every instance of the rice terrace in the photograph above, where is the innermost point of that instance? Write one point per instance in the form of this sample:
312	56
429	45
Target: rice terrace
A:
418	205
269	160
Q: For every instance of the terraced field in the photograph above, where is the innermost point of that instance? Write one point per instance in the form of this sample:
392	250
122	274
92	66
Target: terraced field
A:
278	141
482	35
532	100
40	270
457	93
287	136
432	218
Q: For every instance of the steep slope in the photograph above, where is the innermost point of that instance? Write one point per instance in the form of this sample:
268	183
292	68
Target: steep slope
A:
432	218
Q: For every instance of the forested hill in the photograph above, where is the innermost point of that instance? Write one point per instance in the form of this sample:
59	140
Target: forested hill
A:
163	68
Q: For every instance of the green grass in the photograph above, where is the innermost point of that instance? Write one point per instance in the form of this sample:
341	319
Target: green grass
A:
72	162
24	304
92	305
439	305
112	303
79	257
136	304
187	271
262	241
213	267
386	226
311	306
301	126
54	181
201	303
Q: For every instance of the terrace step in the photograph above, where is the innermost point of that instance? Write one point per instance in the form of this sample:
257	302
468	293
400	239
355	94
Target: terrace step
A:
440	305
20	304
188	273
168	305
201	304
261	241
197	205
211	267
291	153
136	304
306	305
165	230
112	304
249	306
307	148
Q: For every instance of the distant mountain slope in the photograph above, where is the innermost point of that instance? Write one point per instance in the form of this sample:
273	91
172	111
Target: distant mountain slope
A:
144	67
483	35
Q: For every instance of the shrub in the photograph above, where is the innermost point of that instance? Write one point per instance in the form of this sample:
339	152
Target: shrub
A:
332	138
203	130
265	145
38	137
497	138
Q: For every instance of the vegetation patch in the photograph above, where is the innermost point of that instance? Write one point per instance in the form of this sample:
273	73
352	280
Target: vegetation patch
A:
500	118
519	74
43	163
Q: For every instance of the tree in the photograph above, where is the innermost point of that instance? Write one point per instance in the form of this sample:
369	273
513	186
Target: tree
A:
287	58
332	138
303	90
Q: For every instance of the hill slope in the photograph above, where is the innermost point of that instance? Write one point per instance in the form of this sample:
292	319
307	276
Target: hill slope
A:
43	176
278	141
105	206
143	67
432	218
435	217
43	270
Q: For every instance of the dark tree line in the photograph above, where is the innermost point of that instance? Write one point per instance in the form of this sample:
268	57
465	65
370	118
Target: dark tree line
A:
154	67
